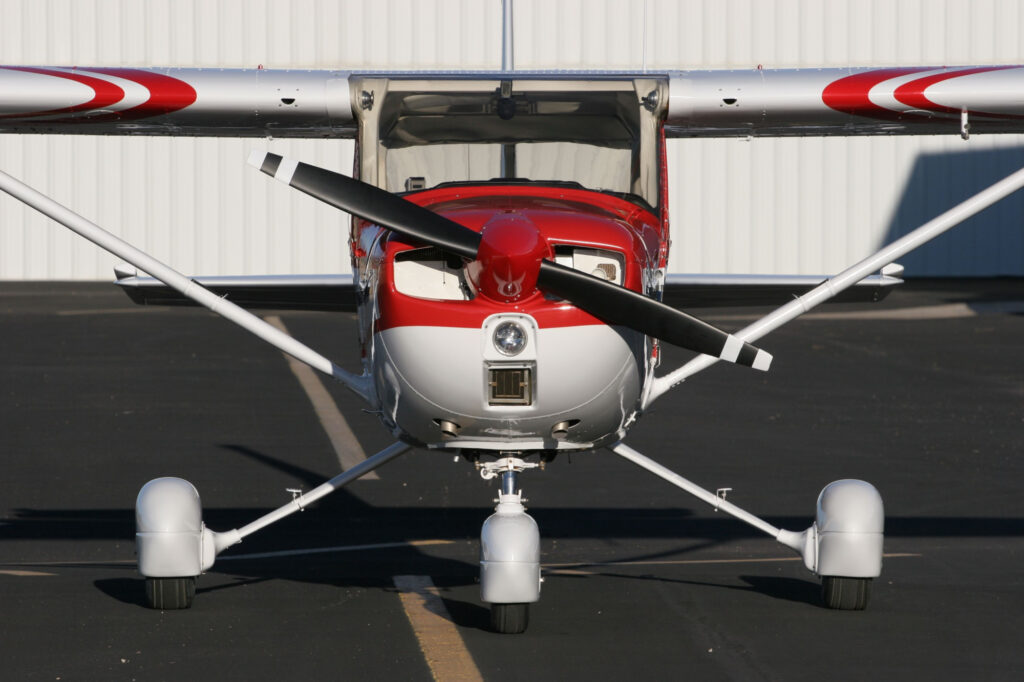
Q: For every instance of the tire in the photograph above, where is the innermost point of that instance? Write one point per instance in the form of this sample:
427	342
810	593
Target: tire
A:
845	594
170	593
510	619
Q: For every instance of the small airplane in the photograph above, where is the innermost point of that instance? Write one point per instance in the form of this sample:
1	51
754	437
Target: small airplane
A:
509	246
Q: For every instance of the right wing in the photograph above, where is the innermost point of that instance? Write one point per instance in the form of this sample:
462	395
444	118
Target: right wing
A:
175	101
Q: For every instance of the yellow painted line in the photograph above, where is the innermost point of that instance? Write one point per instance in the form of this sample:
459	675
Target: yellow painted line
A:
575	568
25	574
442	647
343	440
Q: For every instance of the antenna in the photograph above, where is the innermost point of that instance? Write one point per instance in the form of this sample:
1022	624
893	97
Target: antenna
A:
507	62
508	151
643	43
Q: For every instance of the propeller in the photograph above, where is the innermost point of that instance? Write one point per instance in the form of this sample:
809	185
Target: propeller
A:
608	301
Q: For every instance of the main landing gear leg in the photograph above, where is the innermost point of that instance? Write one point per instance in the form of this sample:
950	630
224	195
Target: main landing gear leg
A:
843	546
174	545
509	551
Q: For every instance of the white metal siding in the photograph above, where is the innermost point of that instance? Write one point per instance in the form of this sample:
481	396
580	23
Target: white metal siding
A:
770	205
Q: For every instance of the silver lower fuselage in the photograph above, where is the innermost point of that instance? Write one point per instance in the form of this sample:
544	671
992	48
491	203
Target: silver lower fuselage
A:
443	387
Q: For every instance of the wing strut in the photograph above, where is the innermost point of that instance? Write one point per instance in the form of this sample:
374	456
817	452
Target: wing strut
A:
847	278
225	539
182	284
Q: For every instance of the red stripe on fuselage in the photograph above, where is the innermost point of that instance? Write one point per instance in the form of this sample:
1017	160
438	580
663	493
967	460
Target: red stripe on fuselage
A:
400	310
563	217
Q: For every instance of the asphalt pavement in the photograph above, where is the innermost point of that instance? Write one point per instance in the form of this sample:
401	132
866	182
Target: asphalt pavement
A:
926	401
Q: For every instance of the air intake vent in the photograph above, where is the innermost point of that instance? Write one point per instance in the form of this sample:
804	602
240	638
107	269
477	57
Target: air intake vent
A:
509	386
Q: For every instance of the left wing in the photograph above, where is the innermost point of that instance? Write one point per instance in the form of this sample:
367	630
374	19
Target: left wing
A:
906	100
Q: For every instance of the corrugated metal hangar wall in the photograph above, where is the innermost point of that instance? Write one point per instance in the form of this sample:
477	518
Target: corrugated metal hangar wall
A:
809	205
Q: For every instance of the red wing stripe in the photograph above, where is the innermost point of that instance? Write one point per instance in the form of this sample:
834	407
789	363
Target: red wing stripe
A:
166	94
852	94
105	93
913	93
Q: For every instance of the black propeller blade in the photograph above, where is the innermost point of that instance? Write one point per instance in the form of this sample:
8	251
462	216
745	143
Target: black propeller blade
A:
619	305
605	300
371	203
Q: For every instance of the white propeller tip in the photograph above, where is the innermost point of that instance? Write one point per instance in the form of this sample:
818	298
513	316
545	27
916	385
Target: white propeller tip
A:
285	167
256	158
762	361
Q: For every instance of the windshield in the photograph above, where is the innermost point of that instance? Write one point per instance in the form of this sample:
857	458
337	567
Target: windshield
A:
601	134
593	167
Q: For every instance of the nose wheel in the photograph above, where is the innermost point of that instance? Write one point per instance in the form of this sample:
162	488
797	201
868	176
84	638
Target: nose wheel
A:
509	551
845	594
510	619
168	594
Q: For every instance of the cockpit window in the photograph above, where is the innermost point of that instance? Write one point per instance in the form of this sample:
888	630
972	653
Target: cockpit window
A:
593	167
602	134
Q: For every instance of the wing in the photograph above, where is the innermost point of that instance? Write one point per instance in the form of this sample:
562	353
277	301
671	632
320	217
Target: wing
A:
321	103
869	101
197	102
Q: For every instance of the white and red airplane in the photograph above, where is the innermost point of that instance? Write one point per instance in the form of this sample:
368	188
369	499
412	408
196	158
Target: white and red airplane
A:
509	249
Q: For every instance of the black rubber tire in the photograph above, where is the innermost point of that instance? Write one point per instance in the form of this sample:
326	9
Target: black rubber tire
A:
510	619
845	594
170	593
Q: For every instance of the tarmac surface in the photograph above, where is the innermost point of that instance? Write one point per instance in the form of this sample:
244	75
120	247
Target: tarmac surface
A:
641	580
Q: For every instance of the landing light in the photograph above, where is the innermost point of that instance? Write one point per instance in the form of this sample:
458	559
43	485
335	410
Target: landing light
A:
510	338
